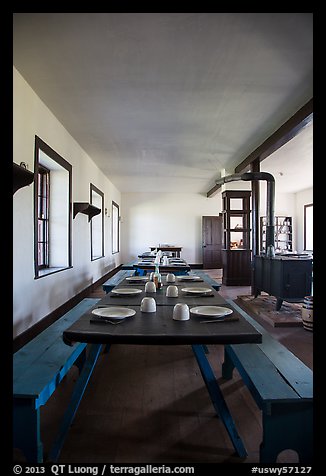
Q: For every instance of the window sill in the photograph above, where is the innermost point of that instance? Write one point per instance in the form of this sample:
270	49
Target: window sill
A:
47	271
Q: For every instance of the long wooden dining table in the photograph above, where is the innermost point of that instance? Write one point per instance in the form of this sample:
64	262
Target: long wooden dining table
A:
159	328
179	266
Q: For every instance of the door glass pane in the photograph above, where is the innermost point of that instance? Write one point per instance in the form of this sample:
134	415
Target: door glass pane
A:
236	222
236	203
236	239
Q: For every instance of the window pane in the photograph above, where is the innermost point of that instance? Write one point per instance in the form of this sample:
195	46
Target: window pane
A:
236	239
308	220
236	222
115	227
52	203
236	203
97	233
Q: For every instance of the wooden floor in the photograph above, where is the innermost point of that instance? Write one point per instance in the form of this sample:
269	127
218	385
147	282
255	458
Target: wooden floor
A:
149	404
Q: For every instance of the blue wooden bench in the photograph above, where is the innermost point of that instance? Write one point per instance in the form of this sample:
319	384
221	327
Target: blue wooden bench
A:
38	369
215	285
282	387
129	265
116	279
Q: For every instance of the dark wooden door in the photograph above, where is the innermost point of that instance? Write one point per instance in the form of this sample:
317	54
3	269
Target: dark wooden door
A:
212	240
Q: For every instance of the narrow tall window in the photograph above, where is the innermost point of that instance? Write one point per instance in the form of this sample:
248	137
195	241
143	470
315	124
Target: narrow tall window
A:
115	228
43	194
97	228
308	227
52	211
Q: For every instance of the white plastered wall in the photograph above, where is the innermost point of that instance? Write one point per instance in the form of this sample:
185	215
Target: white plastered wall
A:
175	218
33	299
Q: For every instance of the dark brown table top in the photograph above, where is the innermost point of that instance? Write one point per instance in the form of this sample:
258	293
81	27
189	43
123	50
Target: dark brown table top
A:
213	298
170	268
179	280
166	248
160	328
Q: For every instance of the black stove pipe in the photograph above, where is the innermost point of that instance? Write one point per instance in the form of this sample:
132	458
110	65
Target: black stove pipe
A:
270	227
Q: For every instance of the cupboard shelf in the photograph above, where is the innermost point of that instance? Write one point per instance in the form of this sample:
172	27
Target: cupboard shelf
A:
85	208
21	177
236	253
283	233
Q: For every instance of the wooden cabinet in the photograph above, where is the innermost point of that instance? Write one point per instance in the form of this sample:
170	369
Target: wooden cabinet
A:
286	278
283	234
236	252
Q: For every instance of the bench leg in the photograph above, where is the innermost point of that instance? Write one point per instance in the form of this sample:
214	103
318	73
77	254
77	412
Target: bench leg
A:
108	288
227	366
288	426
218	399
75	400
80	362
26	429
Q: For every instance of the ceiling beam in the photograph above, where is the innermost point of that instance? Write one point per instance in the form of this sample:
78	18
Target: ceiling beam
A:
213	191
280	137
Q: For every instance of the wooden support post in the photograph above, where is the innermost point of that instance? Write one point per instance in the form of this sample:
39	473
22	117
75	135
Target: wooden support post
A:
255	167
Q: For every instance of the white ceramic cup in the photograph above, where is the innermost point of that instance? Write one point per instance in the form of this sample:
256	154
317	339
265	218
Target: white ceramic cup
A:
170	278
148	304
172	291
181	312
150	287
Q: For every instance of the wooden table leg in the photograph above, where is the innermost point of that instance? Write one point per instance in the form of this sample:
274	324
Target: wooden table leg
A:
218	399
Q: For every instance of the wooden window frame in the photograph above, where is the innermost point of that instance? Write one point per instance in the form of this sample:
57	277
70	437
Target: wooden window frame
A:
40	145
305	225
114	251
43	215
93	188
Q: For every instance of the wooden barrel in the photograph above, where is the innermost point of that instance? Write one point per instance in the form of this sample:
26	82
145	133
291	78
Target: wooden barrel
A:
308	313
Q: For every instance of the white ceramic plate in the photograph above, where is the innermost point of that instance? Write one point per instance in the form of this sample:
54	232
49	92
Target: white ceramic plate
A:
114	312
189	278
137	278
126	291
211	311
195	290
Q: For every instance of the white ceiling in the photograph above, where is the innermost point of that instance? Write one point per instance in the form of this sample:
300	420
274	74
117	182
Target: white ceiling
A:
164	101
292	164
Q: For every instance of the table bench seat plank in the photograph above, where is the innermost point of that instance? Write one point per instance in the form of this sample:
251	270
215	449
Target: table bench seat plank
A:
41	379
38	369
294	371
260	374
34	350
282	387
212	282
116	279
